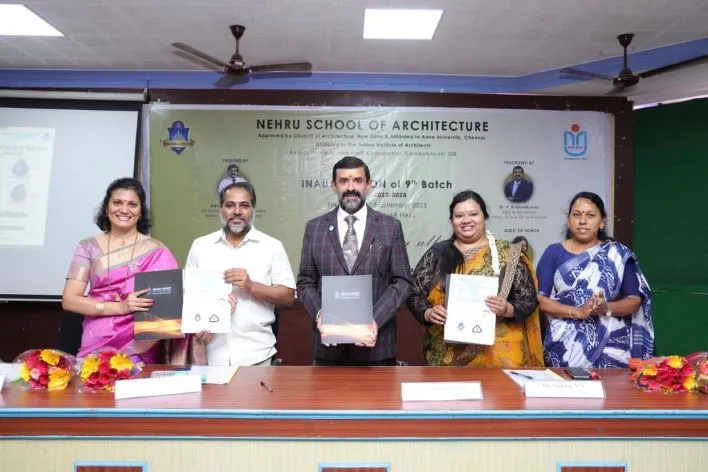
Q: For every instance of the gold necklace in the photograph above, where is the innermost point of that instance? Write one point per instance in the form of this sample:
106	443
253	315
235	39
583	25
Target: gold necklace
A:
473	246
118	297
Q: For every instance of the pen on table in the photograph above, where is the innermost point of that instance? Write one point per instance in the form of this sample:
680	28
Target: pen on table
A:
266	386
519	374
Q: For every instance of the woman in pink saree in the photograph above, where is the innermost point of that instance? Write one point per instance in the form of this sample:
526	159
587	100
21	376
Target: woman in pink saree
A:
106	264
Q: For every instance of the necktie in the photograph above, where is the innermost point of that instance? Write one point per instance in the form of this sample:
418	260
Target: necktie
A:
351	245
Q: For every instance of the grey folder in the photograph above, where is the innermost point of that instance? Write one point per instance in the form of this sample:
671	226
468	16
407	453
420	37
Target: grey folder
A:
347	308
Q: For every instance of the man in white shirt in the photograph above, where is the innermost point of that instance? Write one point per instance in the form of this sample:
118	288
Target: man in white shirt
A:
258	268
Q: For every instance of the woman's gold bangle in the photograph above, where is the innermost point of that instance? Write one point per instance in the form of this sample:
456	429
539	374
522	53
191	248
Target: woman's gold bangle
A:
570	314
100	307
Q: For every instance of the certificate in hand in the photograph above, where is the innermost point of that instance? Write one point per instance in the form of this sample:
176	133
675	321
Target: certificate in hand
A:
347	309
206	302
469	320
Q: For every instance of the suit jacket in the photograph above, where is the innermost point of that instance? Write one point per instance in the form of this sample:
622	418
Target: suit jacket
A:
382	254
523	193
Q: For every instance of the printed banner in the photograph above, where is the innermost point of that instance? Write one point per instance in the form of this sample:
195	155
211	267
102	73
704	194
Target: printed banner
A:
526	164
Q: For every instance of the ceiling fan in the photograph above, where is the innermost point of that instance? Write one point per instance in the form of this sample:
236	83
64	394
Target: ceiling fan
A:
236	70
626	78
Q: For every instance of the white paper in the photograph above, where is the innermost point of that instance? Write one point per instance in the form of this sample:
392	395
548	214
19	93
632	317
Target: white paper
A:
153	387
205	306
469	319
564	389
215	374
440	391
25	170
520	375
11	371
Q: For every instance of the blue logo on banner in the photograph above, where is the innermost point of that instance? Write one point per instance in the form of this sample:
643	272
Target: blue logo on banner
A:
178	138
575	141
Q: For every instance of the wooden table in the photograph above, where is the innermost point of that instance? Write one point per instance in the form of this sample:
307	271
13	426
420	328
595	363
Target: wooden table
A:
323	415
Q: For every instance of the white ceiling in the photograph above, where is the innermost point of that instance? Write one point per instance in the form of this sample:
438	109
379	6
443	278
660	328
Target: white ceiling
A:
474	38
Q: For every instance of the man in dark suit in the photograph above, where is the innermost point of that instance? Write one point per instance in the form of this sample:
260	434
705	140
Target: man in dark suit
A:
370	243
519	189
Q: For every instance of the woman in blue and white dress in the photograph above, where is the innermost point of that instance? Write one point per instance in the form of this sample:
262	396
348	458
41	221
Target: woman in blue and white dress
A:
594	295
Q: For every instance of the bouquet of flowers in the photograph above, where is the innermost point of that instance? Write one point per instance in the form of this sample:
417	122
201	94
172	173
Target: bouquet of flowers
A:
700	362
101	369
665	374
45	369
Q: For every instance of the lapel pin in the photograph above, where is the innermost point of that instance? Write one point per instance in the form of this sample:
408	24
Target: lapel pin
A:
331	228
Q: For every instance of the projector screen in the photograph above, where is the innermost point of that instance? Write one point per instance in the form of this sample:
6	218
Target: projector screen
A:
56	160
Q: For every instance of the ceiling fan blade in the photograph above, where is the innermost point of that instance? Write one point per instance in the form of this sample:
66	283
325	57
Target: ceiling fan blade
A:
198	61
574	77
201	55
585	74
674	67
282	75
229	80
287	67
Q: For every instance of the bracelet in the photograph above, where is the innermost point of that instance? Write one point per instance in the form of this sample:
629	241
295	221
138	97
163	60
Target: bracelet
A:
100	307
506	310
570	314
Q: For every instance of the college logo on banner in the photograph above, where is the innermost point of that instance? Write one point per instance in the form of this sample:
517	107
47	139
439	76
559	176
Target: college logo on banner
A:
178	138
575	141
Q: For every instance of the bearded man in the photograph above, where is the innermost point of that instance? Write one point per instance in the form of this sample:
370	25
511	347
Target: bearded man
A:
355	239
259	270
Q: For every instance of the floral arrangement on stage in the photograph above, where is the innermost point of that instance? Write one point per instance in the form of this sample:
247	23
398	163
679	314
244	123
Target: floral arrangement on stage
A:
671	374
700	362
100	370
45	369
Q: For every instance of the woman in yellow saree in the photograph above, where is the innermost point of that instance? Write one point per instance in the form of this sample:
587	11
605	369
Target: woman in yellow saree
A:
474	250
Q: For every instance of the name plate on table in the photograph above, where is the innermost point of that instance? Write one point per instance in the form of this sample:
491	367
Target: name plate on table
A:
158	386
440	391
564	389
